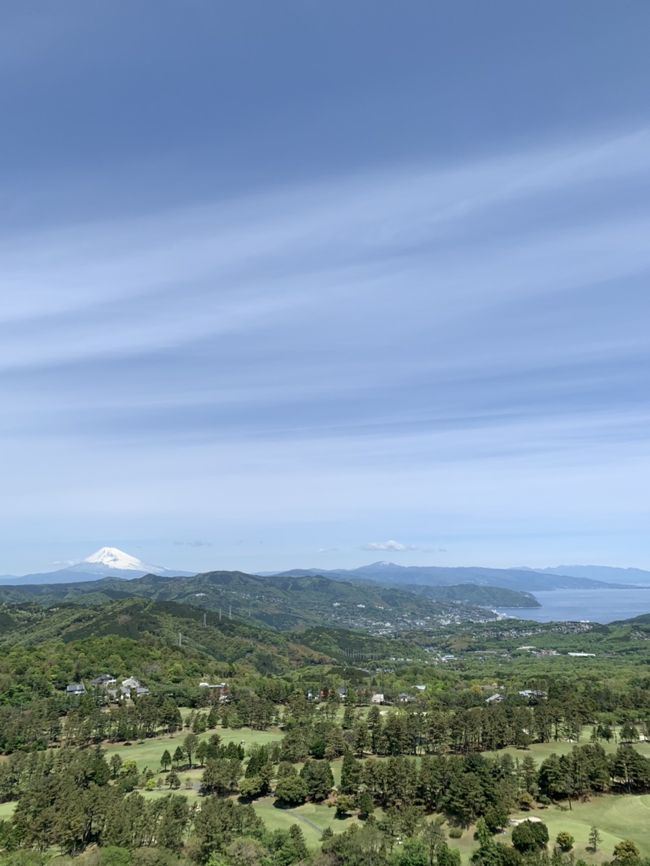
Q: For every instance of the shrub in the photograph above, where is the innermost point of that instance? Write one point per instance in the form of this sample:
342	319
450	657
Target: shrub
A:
564	841
530	836
626	854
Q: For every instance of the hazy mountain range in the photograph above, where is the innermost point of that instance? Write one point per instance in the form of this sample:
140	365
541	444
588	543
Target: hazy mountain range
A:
521	579
115	563
627	576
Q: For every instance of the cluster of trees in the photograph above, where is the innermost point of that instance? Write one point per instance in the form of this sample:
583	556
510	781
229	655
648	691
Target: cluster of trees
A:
65	800
464	787
42	722
72	798
453	717
427	727
52	721
146	717
33	726
414	731
589	770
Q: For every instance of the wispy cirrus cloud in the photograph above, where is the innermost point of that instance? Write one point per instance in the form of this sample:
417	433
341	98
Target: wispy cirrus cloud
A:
405	344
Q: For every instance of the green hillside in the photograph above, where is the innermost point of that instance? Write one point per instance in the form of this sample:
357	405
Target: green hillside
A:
166	644
280	602
473	594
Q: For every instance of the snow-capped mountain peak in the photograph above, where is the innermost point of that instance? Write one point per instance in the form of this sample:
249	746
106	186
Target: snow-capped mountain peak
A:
114	558
108	562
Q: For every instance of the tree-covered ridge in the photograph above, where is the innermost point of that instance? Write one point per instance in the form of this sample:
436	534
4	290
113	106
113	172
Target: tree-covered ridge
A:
167	645
474	594
287	602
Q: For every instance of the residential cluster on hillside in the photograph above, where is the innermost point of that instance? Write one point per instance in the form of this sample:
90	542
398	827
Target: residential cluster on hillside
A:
533	696
130	687
218	691
109	685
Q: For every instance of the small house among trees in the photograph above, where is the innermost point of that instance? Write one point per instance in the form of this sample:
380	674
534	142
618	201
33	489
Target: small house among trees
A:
75	689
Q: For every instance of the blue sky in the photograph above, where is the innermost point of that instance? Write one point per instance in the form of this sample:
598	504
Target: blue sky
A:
313	284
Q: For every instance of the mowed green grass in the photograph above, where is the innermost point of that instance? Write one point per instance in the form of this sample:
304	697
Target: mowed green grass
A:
617	817
312	818
148	752
541	751
191	794
7	810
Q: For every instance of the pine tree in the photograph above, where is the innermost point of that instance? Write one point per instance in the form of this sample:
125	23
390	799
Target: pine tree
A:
318	779
202	752
115	765
190	743
349	717
594	839
350	774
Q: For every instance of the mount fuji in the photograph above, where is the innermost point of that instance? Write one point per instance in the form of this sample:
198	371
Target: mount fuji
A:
108	560
105	562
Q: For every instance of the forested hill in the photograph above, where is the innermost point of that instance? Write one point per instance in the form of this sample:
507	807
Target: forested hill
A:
471	593
167	644
282	602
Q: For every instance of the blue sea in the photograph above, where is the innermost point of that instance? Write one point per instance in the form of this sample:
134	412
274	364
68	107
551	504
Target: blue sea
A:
596	605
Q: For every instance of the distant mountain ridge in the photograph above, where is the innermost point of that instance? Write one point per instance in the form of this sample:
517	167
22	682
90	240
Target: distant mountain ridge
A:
520	579
607	573
115	563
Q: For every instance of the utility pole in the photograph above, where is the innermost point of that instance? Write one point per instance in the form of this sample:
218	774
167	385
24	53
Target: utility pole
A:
229	611
205	620
180	639
219	614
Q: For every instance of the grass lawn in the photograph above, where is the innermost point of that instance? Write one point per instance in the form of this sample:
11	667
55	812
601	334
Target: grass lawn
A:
617	816
466	844
312	818
148	752
6	810
192	794
541	751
